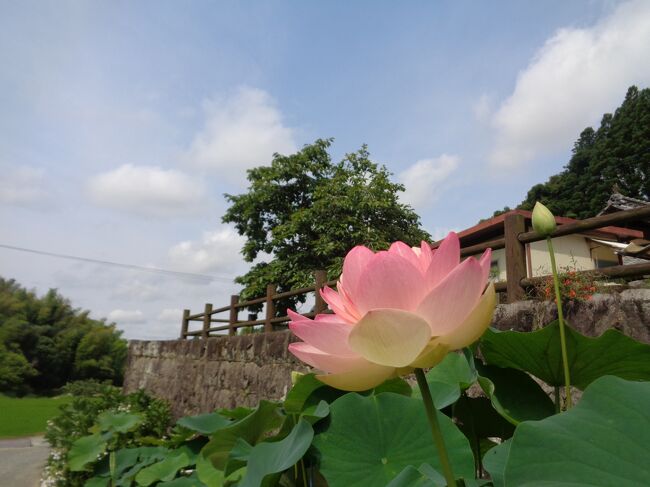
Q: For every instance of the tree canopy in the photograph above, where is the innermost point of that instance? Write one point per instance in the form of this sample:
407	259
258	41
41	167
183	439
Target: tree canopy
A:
617	154
45	342
306	212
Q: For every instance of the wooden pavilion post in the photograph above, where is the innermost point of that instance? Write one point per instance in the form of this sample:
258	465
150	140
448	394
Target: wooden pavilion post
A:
185	323
320	278
207	320
515	257
270	307
234	315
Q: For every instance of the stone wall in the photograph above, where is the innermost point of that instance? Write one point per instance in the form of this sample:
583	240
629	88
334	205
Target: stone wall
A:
200	375
627	311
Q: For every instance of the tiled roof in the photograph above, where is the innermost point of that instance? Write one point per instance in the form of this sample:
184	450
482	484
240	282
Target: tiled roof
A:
493	228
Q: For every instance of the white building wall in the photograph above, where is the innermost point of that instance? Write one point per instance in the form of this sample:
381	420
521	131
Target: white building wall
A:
571	251
574	251
498	271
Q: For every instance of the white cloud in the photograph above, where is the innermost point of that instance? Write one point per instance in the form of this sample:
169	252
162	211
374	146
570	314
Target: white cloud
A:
22	186
171	315
121	316
483	107
577	75
216	252
137	289
147	190
240	132
423	180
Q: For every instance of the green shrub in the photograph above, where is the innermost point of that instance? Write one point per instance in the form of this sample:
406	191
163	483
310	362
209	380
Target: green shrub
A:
15	370
89	400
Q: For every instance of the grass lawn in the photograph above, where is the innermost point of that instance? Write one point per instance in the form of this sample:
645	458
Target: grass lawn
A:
27	416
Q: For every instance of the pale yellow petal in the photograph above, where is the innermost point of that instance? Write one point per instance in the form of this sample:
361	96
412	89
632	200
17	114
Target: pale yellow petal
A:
432	355
360	379
390	337
474	325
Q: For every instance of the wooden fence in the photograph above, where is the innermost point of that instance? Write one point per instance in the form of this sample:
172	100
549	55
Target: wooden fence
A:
514	241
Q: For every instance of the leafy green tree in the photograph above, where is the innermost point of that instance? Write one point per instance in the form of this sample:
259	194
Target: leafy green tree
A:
45	342
306	212
100	355
617	154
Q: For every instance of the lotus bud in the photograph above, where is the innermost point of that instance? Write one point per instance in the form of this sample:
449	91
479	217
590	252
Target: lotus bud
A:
543	220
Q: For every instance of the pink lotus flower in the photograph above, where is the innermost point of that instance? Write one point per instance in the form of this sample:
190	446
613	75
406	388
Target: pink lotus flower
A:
396	310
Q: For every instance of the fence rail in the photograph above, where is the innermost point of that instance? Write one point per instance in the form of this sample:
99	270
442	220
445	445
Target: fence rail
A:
514	241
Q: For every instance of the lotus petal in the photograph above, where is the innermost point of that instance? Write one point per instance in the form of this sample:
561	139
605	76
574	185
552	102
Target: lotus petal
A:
329	317
390	337
365	376
474	325
329	336
445	259
324	361
405	252
336	303
486	264
432	355
449	303
425	254
389	281
354	265
347	302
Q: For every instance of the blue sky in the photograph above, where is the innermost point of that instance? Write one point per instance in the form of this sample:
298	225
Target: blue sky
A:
123	123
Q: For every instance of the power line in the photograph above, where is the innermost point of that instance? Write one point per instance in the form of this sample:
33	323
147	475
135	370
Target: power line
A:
155	270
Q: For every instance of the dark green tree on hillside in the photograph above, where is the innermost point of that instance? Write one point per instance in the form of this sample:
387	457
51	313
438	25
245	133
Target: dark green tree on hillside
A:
307	212
45	342
618	153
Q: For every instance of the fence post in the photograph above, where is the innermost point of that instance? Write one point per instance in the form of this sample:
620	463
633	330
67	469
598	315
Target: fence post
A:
207	319
270	307
515	257
321	278
234	315
185	323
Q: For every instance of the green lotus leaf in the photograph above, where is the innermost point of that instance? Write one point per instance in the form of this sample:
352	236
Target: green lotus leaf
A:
602	441
371	439
538	353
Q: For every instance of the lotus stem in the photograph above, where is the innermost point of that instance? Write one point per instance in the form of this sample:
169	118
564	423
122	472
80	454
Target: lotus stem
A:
304	473
560	317
432	416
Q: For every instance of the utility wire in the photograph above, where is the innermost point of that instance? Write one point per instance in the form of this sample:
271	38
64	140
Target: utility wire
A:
155	270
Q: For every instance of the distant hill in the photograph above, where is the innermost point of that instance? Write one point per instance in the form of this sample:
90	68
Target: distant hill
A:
615	155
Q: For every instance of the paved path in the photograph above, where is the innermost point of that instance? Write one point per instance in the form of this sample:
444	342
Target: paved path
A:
22	461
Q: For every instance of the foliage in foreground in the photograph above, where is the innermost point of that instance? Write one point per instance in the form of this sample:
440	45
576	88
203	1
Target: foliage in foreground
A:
308	212
45	342
513	435
574	285
90	404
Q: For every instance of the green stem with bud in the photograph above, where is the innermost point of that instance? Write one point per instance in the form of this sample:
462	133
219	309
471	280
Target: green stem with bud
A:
560	316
